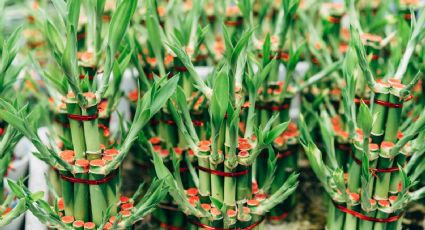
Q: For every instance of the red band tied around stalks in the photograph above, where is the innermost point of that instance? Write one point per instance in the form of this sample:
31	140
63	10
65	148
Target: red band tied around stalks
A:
223	174
374	170
284	154
358	100
334	20
169	226
207	227
170	207
367	218
384	103
375	57
392	105
198	123
180	68
83	117
280	217
344	147
89	182
81	36
183	169
82	76
169	122
234	23
272	107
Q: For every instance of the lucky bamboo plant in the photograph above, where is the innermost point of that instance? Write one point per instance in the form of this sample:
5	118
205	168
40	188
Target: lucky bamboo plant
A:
89	172
382	156
223	195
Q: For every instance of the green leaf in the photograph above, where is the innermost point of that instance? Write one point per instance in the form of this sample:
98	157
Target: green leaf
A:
364	119
275	132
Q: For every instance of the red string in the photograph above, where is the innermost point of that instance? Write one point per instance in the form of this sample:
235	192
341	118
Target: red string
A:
82	76
357	101
198	123
344	147
334	20
180	68
204	226
375	57
284	154
83	117
223	174
90	182
81	36
367	218
169	226
374	170
280	217
234	23
272	107
170	207
169	122
183	169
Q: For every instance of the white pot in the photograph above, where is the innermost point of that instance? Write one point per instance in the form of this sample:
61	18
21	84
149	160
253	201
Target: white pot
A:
19	166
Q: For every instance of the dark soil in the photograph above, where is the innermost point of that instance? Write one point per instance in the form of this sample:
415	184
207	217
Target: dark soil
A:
310	212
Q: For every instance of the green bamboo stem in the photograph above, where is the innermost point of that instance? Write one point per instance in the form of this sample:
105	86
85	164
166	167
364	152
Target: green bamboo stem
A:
335	219
354	170
68	194
230	188
204	177
91	130
77	131
217	182
383	179
81	192
380	112
98	195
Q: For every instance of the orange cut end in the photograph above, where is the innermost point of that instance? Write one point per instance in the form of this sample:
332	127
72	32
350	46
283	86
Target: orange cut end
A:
373	147
67	219
89	95
204	148
89	225
82	163
207	207
205	143
384	203
243	153
124	199
253	202
107	226
387	144
155	140
125	213
215	212
78	224
127	206
355	196
67	153
97	162
110	152
192	191
178	151
246	210
372	202
231	213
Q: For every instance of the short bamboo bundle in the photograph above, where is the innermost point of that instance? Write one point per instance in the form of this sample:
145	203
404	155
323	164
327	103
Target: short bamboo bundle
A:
382	157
